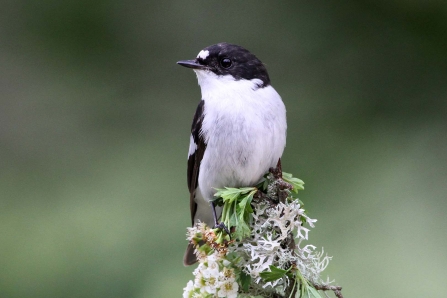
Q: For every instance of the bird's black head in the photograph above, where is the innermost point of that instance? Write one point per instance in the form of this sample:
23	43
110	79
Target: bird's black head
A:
229	59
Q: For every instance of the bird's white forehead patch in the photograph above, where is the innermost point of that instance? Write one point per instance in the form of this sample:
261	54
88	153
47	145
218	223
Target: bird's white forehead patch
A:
203	54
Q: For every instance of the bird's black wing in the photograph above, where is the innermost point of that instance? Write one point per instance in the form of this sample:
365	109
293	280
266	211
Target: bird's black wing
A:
195	157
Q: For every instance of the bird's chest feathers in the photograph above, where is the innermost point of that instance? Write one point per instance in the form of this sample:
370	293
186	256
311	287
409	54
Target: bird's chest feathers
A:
233	109
232	124
238	129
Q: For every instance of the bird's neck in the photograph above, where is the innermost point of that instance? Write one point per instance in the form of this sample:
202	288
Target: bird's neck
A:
213	86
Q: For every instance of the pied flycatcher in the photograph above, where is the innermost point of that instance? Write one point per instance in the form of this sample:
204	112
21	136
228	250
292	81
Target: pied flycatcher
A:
238	131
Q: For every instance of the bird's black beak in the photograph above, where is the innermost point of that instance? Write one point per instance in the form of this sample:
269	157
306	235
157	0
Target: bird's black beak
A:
192	64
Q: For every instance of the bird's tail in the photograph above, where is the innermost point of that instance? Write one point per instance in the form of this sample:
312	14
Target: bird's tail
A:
190	257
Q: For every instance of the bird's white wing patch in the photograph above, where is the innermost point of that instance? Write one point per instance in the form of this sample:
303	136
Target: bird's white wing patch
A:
192	146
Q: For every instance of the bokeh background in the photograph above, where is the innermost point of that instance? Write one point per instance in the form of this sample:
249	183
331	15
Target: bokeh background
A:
94	130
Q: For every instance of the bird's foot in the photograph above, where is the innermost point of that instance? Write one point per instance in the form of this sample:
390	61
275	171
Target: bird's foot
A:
222	226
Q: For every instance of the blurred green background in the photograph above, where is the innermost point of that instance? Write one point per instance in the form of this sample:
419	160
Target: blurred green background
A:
95	118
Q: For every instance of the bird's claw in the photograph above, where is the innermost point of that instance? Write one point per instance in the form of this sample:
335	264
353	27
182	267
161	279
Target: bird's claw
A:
222	226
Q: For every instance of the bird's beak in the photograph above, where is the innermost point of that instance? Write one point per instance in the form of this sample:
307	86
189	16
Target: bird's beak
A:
192	64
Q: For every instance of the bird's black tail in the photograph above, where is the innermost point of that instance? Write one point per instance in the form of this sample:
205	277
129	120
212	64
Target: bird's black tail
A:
190	257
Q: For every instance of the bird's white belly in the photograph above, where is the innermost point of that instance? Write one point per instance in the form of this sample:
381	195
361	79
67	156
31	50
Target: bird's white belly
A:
234	157
241	147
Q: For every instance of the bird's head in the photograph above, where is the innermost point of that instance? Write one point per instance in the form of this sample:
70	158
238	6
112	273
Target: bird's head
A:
224	61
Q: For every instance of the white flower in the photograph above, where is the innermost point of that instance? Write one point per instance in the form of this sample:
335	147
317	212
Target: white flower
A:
212	268
199	281
211	284
227	274
188	291
228	289
191	233
210	272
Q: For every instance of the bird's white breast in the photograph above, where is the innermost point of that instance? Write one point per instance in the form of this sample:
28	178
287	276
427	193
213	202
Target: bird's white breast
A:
244	127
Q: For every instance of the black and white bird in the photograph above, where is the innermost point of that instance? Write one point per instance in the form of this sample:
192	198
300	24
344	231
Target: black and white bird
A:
238	131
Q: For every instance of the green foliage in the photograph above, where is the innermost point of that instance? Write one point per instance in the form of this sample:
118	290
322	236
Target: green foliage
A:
306	290
236	211
245	281
237	208
297	184
312	292
274	273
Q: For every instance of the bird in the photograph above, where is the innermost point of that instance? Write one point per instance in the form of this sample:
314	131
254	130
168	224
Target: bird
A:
238	131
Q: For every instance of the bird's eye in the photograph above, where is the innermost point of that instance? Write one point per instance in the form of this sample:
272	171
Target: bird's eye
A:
225	62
